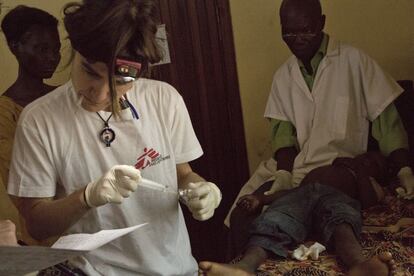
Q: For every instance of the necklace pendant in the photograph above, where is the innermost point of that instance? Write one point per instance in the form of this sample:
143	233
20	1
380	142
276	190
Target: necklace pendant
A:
107	136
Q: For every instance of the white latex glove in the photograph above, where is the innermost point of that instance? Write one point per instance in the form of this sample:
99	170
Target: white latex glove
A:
115	185
283	181
203	198
406	177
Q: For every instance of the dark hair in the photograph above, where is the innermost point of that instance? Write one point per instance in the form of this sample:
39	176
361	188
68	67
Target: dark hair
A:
103	30
18	21
313	7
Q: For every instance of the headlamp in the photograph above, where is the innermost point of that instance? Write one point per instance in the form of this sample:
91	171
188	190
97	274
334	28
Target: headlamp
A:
126	70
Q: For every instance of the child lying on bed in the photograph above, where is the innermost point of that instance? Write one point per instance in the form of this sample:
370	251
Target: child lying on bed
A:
327	203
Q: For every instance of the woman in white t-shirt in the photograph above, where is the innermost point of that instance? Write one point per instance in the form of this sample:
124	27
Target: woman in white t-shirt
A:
82	151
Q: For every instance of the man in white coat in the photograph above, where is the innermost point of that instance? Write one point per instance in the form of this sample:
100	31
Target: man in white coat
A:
320	105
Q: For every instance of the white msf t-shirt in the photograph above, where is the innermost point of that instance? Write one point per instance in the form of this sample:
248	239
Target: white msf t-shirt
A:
349	90
57	151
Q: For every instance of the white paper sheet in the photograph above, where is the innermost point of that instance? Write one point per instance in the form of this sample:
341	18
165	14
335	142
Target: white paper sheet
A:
88	242
24	259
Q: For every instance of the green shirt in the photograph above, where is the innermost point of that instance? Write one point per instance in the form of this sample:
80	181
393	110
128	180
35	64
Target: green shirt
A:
387	128
315	61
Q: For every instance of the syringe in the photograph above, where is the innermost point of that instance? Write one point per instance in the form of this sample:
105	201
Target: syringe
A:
181	193
152	185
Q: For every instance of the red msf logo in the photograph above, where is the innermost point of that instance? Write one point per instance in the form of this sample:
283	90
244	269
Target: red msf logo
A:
146	158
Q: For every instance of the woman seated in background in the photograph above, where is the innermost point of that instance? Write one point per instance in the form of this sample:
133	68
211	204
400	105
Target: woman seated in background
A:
33	38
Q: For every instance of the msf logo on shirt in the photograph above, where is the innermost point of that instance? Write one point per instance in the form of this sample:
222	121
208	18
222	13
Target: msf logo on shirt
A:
150	157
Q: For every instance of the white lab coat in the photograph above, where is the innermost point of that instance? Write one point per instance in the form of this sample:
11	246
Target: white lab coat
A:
349	90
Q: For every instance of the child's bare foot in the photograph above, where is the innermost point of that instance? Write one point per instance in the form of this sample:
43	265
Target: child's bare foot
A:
381	265
218	269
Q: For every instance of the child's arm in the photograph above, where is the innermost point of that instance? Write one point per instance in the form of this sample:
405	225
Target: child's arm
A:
367	195
268	199
366	169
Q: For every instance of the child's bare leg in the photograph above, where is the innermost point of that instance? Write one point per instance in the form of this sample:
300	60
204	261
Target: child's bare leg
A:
347	246
349	250
252	259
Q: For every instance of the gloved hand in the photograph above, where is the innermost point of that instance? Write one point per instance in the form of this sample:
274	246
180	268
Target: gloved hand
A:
203	198
116	184
283	181
406	177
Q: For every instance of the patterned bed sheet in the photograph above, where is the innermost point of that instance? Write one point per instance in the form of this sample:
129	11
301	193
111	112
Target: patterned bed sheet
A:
387	227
